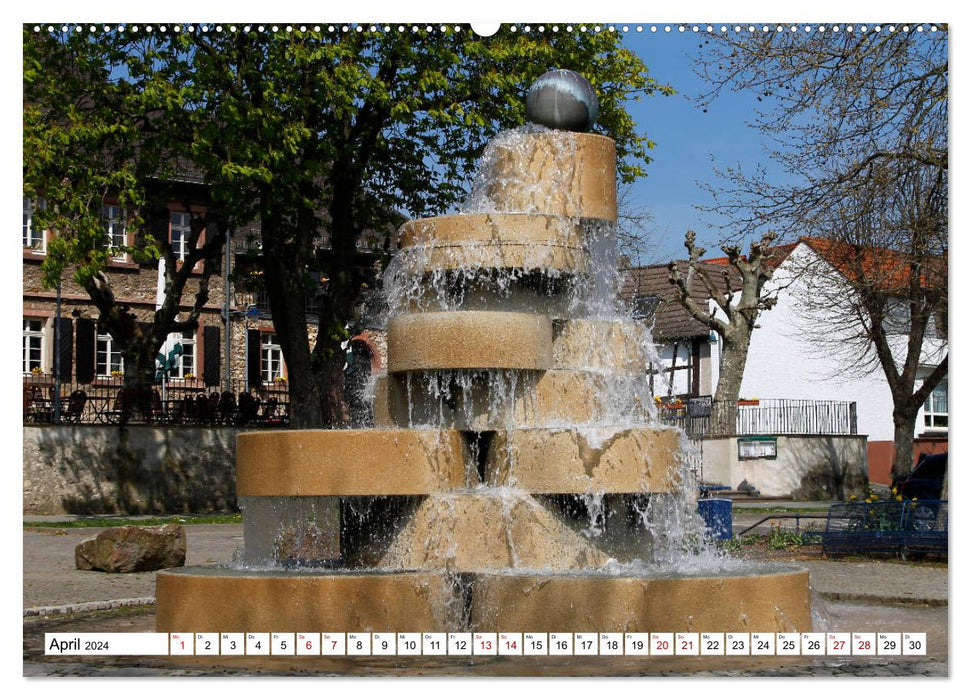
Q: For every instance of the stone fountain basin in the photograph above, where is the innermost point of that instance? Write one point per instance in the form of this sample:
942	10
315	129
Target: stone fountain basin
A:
495	242
199	599
404	461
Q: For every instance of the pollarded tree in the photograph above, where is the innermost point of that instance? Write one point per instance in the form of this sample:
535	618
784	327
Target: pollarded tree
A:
859	119
737	293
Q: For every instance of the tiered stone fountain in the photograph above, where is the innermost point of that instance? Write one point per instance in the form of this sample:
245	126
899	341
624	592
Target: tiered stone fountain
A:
513	481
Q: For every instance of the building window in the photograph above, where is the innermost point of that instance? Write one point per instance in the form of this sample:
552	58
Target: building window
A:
187	363
181	230
271	357
108	360
33	238
33	345
114	222
935	408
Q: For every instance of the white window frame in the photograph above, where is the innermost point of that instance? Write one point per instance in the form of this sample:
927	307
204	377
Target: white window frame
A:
187	362
104	346
180	230
114	218
34	339
936	420
271	358
33	240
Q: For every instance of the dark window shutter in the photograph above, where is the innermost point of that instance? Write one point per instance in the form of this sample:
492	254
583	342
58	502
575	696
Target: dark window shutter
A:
210	360
212	234
65	349
159	225
253	374
85	337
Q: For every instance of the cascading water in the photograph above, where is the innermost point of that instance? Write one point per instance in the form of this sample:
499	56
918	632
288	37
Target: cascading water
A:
516	477
612	356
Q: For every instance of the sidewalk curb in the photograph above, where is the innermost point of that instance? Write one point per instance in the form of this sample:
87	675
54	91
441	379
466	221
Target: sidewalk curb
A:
70	608
882	600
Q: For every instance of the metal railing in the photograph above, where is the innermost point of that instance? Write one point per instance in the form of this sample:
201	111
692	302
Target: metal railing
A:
185	402
700	416
260	299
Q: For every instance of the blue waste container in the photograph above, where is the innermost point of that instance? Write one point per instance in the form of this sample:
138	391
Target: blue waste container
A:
717	514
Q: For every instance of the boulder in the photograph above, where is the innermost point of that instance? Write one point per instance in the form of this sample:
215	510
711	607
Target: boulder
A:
131	548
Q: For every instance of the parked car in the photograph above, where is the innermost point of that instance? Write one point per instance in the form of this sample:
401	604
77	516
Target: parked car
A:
926	480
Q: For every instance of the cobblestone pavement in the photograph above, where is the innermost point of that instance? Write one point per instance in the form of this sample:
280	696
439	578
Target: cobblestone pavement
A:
883	581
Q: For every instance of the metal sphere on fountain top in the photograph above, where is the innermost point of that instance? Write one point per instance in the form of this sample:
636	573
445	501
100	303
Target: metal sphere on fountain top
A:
562	99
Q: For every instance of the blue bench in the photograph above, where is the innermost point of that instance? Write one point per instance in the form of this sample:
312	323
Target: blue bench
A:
886	527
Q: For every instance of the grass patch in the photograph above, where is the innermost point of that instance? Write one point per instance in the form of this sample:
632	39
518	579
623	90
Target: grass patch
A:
122	520
777	539
781	511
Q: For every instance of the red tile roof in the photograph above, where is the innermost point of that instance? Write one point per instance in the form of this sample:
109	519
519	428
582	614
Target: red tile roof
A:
672	321
777	254
887	269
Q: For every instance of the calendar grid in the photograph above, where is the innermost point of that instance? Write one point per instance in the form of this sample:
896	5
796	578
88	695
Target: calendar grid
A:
466	644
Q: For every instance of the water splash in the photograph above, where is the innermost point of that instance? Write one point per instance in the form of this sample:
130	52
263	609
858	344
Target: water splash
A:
505	180
600	354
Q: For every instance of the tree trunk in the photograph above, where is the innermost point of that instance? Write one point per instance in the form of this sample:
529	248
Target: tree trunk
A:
330	379
724	410
304	392
287	305
904	425
343	293
284	269
329	355
138	396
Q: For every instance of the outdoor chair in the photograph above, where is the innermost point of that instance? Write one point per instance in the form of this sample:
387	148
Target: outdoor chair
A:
249	408
214	407
202	413
268	414
75	405
120	409
177	411
37	409
227	408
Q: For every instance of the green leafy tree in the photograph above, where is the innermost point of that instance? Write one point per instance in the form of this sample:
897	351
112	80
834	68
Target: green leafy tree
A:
98	131
340	132
325	138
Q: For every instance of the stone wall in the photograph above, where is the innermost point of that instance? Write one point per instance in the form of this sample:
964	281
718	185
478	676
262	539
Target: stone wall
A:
807	467
87	469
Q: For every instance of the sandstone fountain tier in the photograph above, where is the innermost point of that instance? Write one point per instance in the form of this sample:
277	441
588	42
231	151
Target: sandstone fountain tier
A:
514	461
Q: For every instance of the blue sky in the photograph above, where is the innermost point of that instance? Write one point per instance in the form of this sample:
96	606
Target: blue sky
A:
687	140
